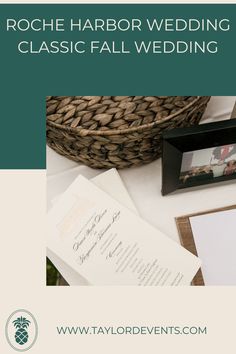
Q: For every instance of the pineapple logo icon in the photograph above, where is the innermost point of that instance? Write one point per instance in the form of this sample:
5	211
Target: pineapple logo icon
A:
21	336
21	330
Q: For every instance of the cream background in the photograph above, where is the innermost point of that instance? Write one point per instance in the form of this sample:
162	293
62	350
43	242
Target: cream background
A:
23	220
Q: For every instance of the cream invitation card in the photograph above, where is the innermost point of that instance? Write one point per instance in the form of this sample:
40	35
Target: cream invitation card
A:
111	183
108	244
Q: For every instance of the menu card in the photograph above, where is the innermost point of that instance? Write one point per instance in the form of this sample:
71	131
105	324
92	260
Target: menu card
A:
111	183
108	244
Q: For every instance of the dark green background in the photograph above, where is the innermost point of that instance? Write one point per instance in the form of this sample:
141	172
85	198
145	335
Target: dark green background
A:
27	79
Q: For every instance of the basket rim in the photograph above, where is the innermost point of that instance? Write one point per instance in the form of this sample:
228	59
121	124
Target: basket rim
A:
85	132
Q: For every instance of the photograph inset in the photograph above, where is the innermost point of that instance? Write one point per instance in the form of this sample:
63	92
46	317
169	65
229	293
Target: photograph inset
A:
207	164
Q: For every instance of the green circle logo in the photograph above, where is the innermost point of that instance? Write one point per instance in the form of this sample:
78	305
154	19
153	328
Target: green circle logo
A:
21	330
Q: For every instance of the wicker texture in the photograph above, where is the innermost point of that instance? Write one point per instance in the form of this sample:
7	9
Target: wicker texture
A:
116	131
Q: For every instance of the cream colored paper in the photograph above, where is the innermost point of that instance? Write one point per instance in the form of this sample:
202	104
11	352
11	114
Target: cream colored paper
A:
109	245
111	183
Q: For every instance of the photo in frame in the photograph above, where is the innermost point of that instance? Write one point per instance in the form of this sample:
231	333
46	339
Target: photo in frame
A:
198	155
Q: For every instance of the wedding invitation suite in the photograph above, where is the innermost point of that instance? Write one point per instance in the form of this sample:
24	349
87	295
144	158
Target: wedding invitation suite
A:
111	183
108	244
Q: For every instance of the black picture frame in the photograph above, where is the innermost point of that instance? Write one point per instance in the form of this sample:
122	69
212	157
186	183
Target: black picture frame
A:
178	141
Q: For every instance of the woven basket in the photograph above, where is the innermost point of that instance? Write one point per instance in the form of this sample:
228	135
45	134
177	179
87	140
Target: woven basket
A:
117	131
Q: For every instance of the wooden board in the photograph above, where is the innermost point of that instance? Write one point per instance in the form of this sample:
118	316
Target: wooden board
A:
187	238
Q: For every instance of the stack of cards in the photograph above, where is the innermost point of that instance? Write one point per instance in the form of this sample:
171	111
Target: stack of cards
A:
96	237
